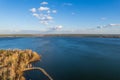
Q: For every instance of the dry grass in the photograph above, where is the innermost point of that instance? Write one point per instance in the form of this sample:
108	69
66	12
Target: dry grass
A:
14	62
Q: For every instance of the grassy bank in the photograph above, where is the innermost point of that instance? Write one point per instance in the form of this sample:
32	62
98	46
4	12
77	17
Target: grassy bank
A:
13	63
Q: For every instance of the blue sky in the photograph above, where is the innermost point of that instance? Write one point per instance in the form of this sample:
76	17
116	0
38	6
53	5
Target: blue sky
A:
60	16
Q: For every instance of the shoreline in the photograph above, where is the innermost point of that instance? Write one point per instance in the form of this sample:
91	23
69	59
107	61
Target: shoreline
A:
63	35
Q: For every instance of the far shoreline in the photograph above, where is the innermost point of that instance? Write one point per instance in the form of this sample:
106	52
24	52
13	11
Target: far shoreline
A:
63	35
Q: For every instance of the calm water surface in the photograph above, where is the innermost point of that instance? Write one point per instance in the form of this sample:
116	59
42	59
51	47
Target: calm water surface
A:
71	58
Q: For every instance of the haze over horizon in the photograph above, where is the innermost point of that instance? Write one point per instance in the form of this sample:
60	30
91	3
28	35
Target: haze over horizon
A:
60	16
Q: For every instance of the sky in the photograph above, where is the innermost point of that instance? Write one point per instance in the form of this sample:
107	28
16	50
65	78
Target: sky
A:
60	16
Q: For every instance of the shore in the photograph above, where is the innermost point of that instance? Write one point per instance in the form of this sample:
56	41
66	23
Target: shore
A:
63	35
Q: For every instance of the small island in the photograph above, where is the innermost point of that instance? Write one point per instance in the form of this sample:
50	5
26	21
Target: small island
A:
13	64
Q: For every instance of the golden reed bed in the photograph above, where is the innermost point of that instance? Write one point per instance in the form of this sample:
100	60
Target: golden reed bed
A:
13	63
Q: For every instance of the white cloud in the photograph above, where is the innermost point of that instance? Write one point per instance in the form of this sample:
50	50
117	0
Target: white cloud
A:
42	18
43	8
36	15
54	11
45	15
44	3
109	25
67	4
48	11
33	10
59	27
114	25
44	22
45	19
49	17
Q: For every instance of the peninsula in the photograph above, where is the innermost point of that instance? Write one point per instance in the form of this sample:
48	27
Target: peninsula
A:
13	63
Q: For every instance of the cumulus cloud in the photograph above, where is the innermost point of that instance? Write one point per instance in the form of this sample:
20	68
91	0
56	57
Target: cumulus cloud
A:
48	17
45	15
36	15
44	19
59	27
33	10
67	4
43	8
44	22
44	3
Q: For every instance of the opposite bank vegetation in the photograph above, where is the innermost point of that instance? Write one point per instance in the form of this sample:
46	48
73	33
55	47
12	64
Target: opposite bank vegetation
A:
13	64
63	35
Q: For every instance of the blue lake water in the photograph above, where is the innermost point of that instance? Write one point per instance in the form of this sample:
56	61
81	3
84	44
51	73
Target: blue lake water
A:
71	58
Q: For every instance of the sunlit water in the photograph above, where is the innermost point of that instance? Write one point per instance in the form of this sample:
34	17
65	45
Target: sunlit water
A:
71	58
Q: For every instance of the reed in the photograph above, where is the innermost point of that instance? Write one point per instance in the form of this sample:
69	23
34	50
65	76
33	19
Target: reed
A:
13	63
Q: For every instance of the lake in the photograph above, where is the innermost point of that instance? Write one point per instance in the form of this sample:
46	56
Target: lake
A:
71	58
